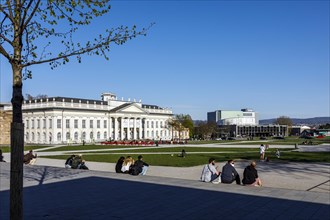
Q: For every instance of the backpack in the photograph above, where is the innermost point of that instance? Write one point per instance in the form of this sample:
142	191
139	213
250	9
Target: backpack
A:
134	170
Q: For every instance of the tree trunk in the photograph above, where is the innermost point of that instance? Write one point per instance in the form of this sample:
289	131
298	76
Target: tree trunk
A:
16	157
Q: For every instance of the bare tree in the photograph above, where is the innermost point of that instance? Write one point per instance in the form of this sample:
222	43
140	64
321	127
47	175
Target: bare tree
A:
42	31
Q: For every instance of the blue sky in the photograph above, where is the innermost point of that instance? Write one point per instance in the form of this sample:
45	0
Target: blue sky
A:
201	56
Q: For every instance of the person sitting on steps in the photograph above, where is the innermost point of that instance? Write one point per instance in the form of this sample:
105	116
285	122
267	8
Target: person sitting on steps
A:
30	158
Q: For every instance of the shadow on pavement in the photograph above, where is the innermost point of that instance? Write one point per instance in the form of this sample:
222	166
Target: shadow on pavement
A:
106	198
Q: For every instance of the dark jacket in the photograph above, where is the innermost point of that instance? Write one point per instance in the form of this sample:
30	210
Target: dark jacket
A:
140	164
119	164
249	175
228	173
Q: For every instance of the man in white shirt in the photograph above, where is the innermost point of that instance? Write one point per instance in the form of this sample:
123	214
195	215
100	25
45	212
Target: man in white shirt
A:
262	152
210	172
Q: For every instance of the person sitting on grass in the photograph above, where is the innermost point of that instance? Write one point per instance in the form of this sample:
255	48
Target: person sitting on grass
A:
229	173
250	175
210	173
30	158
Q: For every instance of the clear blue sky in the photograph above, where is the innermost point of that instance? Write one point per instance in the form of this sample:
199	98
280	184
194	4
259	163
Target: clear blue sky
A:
201	56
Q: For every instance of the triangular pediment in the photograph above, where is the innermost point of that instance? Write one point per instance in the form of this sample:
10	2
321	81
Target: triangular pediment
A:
129	108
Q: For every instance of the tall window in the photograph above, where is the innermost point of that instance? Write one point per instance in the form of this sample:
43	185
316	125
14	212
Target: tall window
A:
105	135
44	123
156	124
98	123
91	135
67	135
59	136
105	124
27	124
84	123
59	123
76	123
50	123
76	136
147	124
84	135
32	136
67	123
90	123
152	124
161	124
38	123
98	135
32	123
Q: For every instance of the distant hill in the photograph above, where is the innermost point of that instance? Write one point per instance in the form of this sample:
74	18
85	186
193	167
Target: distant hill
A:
300	121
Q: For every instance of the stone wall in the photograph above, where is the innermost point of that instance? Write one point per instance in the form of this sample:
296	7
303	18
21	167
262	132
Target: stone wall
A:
5	121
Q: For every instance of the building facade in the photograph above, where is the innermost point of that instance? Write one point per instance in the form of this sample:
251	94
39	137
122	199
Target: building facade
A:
241	118
5	122
59	120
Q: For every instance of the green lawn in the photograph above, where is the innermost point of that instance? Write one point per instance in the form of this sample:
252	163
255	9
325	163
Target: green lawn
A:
287	140
202	158
6	149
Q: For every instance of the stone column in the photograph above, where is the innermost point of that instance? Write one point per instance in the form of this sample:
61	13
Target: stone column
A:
116	129
134	128
121	129
110	127
145	129
140	128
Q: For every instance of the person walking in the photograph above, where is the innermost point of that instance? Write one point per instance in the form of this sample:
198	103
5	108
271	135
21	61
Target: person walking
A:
262	152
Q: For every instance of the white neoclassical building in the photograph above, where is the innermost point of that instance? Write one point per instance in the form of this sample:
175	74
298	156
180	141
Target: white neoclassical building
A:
65	120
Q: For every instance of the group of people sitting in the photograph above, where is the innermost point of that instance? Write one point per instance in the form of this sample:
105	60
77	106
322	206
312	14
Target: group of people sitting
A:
129	166
229	174
76	162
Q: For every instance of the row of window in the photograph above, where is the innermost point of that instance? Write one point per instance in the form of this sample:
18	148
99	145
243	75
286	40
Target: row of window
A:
38	123
43	138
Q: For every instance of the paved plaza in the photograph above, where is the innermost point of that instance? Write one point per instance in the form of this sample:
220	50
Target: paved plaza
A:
290	191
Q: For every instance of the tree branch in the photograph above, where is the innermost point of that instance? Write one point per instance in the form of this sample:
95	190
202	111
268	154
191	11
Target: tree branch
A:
31	15
74	53
4	53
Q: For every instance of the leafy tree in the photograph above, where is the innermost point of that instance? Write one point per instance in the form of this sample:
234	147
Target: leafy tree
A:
187	122
283	120
325	126
43	31
206	129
